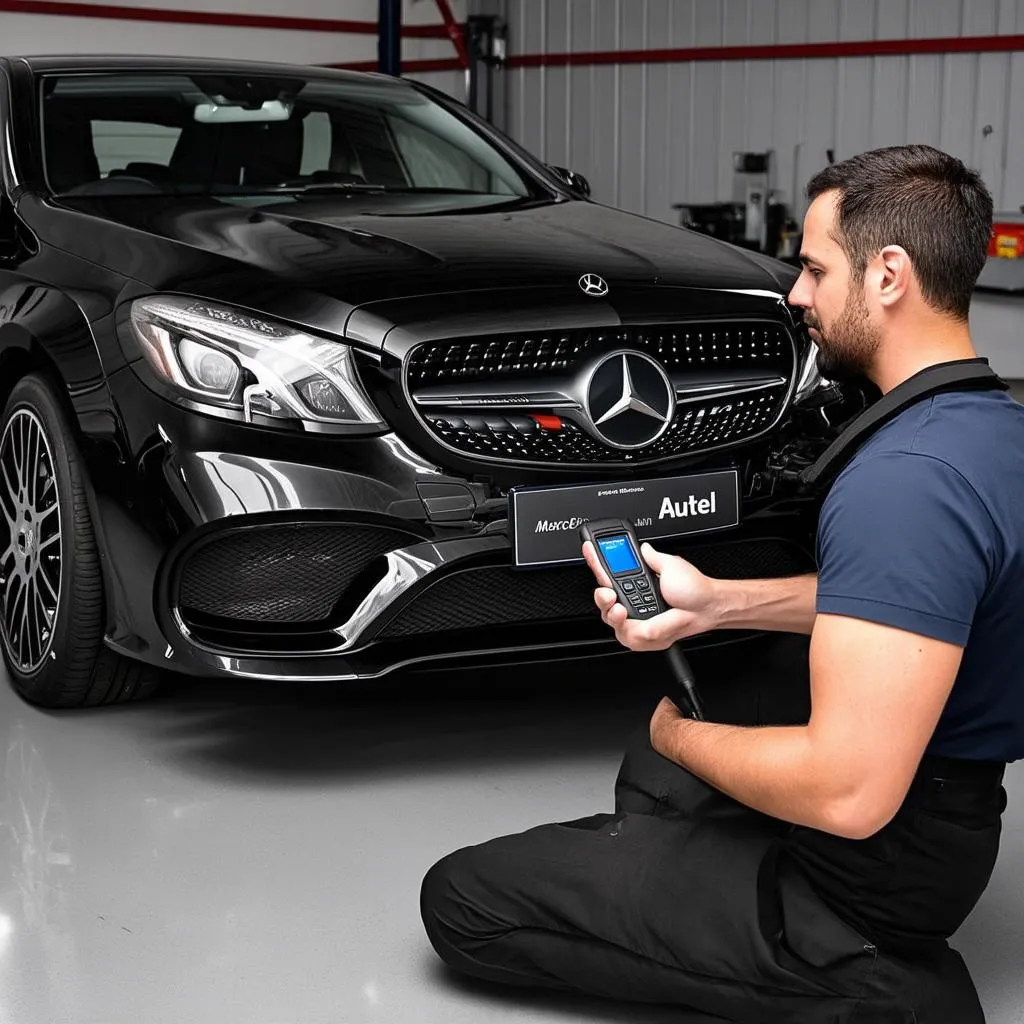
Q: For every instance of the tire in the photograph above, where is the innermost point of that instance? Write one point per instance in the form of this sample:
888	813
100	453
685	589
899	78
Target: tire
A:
52	609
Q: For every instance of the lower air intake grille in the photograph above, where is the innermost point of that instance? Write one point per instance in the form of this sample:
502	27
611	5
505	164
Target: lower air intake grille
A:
286	573
499	595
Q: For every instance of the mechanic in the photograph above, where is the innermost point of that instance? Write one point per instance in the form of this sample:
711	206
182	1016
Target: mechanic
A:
813	871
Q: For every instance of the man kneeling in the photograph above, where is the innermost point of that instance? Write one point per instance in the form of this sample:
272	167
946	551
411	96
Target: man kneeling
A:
813	872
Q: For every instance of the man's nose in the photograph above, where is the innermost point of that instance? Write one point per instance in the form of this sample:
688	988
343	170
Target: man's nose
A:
799	294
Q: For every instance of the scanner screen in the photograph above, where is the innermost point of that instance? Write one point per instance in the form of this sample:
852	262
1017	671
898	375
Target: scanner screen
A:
618	553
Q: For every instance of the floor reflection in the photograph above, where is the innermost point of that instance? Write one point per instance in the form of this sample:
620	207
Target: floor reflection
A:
246	852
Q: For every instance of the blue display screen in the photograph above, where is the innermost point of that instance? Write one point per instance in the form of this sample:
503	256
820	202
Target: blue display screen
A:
618	553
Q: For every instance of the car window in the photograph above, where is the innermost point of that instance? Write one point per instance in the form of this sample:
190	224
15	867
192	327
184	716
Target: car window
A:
316	141
237	135
119	143
433	161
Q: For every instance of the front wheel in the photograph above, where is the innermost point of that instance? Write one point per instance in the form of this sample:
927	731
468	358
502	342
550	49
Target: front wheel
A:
51	586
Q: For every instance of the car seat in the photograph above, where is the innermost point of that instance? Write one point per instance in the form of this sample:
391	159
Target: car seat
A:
68	149
254	155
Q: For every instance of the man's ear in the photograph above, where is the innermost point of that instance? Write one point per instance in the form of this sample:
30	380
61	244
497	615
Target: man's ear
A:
893	274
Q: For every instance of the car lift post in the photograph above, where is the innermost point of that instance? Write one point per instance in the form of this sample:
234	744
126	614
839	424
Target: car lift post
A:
389	37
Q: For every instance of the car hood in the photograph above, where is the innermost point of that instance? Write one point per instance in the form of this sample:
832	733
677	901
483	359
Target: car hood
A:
356	251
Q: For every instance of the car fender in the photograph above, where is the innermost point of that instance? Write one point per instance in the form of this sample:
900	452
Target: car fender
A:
43	328
68	357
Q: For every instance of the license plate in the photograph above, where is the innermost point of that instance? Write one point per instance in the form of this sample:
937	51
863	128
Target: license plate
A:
546	520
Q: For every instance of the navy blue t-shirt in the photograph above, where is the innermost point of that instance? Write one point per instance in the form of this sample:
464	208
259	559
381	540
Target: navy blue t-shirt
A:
924	530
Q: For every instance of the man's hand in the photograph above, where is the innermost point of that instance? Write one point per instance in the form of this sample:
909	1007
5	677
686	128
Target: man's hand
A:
690	594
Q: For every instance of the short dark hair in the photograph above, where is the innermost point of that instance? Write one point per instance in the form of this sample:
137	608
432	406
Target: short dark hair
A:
919	198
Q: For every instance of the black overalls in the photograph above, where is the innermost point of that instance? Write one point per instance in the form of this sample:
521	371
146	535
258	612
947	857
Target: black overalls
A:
684	896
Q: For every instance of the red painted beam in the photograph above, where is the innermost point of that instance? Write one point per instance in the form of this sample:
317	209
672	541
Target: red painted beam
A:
776	51
120	12
454	30
408	66
779	51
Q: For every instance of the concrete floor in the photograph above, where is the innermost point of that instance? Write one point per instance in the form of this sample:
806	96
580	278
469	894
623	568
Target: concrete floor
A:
247	853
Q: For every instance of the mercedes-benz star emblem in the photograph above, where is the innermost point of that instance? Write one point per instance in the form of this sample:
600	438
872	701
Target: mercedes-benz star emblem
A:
594	286
630	399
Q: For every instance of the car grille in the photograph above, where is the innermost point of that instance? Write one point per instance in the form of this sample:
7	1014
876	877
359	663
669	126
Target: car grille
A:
498	595
487	358
294	574
694	428
696	346
508	432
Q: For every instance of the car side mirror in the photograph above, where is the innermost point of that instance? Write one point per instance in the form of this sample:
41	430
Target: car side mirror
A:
575	181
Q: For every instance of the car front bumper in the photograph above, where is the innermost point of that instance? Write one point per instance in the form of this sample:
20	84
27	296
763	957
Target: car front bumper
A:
219	538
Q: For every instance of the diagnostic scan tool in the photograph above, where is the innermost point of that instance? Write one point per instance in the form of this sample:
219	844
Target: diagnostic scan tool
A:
636	588
619	552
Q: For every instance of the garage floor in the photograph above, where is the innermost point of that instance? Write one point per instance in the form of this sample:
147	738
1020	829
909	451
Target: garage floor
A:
247	853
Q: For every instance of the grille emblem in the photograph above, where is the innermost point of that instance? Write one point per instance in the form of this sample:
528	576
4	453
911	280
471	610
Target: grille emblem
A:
593	285
630	399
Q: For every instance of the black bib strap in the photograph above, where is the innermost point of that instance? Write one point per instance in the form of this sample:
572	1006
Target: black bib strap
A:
959	375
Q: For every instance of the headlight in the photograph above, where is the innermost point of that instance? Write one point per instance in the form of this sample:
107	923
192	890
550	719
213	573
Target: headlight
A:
249	367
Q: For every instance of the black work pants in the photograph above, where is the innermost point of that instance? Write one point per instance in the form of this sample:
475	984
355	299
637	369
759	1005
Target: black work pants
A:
681	895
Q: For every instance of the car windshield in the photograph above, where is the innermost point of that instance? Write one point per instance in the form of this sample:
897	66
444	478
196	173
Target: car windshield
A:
242	135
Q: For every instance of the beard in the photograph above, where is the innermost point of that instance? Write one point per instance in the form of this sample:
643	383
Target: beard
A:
847	350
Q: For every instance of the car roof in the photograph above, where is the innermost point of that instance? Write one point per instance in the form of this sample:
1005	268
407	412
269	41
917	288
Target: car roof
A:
48	63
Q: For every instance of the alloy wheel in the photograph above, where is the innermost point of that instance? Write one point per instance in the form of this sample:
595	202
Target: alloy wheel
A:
30	539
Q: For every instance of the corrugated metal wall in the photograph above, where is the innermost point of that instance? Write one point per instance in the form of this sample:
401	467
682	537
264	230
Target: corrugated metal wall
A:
650	135
32	33
452	82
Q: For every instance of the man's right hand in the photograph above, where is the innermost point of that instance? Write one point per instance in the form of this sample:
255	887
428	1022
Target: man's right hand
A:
691	596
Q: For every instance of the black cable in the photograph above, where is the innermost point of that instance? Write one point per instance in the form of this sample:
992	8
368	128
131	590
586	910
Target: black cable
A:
691	703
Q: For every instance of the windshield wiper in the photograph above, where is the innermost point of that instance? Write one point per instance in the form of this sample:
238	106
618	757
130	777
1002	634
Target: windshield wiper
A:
359	188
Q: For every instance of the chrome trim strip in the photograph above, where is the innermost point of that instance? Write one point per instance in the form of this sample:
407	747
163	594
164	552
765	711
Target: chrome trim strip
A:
687	385
598	647
521	393
507	403
237	666
684	394
407	567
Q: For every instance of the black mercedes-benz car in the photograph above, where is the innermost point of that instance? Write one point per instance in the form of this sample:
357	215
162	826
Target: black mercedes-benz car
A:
309	374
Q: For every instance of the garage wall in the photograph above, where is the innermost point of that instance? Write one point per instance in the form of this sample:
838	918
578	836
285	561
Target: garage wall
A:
30	28
653	134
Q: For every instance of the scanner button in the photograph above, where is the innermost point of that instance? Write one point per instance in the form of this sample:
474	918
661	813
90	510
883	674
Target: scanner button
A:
649	599
644	584
627	587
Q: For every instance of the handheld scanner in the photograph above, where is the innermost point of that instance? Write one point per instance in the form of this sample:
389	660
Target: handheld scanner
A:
618	551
